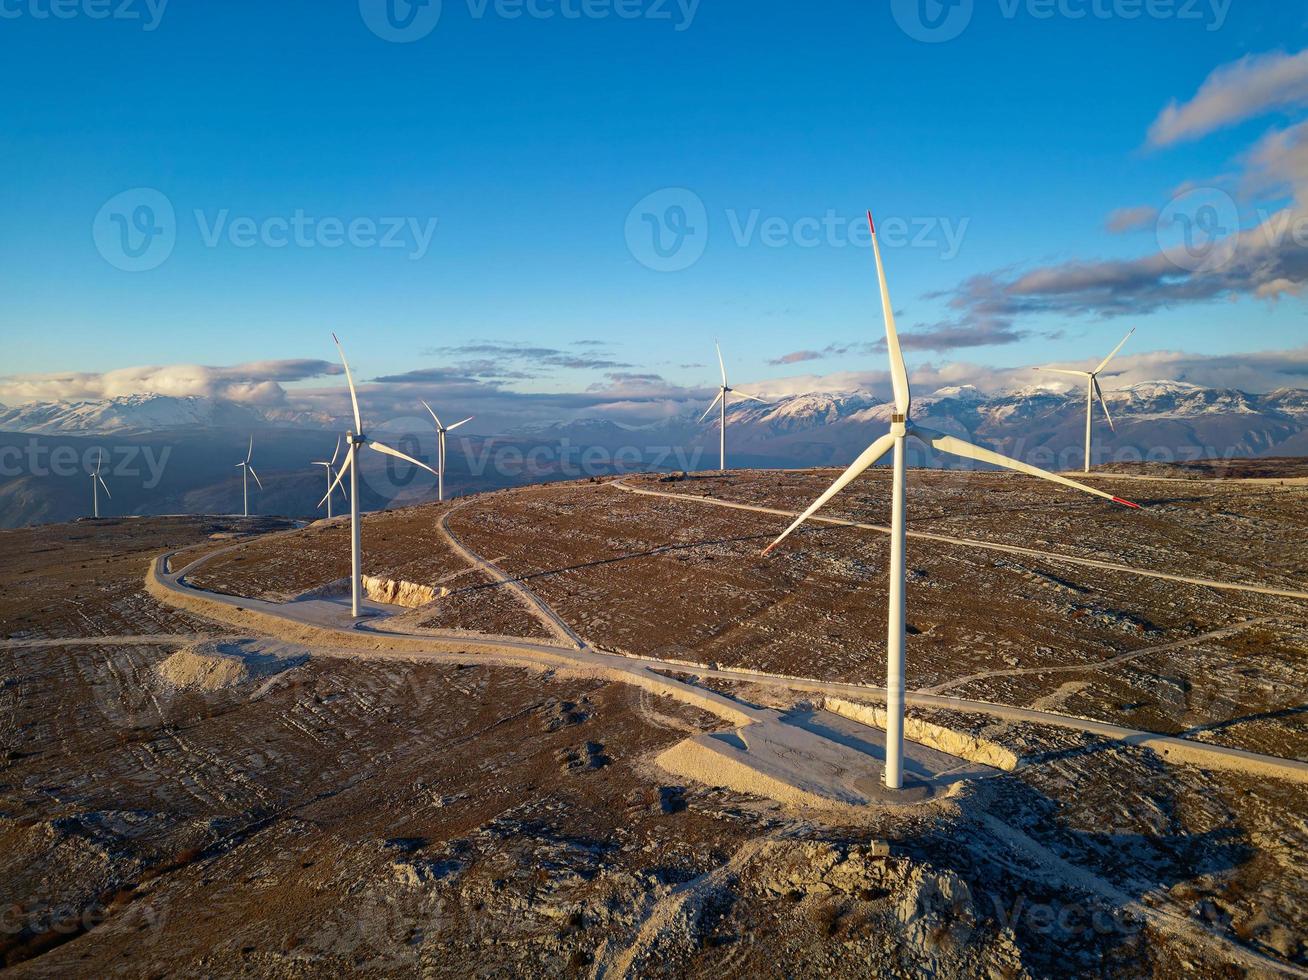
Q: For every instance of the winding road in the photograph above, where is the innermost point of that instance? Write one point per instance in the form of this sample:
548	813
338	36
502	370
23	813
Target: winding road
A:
326	625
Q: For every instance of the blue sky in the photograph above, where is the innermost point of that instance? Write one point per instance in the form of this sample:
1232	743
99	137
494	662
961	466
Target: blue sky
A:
529	140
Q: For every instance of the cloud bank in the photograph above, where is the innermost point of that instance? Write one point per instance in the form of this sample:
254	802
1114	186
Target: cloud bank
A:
255	383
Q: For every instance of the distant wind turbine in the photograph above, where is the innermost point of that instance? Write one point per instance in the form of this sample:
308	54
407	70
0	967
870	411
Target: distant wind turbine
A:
330	467
247	471
97	481
724	392
357	439
895	439
1092	390
440	454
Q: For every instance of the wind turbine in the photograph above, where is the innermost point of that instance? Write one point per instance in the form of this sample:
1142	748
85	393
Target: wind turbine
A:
440	454
1092	389
900	430
97	481
330	465
247	471
724	392
357	439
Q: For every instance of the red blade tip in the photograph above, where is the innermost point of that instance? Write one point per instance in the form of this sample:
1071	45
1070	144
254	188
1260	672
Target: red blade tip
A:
1126	503
870	223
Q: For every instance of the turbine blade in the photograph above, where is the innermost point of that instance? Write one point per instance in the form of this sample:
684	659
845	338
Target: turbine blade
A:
99	462
105	485
381	447
1104	363
1079	374
712	406
435	417
721	365
349	379
256	478
898	373
746	394
1103	404
250	452
337	452
457	424
345	467
870	455
957	447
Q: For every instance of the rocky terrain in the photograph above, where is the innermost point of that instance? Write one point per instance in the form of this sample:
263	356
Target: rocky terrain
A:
179	796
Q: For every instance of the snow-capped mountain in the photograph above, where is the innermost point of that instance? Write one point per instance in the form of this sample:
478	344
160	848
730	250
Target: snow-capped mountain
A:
148	413
190	444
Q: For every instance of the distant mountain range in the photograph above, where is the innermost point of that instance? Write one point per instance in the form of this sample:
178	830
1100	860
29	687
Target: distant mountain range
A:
185	449
1156	419
149	413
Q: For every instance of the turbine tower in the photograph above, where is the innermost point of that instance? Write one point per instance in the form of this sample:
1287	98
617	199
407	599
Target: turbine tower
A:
1092	390
440	448
97	481
330	466
724	392
900	430
358	439
247	471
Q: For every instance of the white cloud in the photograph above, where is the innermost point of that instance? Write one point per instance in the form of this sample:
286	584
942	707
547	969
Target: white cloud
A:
255	383
1234	93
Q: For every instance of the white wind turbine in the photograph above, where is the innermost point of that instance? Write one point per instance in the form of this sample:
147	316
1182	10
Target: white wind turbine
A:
1092	390
330	466
724	392
900	430
440	453
247	471
357	439
97	481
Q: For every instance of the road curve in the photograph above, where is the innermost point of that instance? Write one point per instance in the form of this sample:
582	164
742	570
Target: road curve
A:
537	606
170	586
